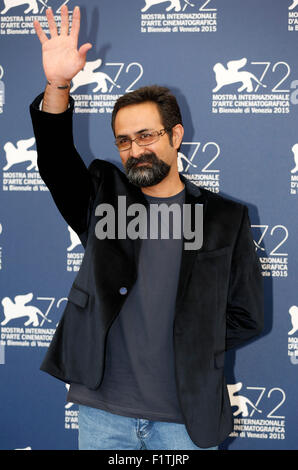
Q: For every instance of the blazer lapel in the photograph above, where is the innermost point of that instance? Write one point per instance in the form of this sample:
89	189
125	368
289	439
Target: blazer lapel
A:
193	196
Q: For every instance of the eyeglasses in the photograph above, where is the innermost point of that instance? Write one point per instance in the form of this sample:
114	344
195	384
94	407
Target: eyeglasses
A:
143	139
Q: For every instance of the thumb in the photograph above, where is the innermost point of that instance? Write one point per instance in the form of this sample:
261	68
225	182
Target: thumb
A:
84	49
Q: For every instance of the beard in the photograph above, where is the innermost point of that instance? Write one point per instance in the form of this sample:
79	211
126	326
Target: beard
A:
146	175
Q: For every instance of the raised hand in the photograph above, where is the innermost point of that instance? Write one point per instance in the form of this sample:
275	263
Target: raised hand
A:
62	59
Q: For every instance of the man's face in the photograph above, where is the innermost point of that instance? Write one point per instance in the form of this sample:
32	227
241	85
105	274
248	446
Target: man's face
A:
150	164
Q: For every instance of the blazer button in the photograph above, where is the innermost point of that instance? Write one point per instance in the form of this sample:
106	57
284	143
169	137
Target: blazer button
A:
123	290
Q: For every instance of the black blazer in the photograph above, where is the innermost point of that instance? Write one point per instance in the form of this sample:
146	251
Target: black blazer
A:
219	303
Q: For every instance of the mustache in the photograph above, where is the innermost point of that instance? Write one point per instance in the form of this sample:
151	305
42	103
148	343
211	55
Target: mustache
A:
144	158
143	177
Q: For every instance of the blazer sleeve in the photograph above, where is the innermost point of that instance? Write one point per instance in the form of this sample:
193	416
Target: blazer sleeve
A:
245	307
61	167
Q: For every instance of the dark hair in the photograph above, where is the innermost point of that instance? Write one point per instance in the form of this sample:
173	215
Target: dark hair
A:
162	96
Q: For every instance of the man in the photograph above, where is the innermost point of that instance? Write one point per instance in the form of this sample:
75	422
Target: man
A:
143	337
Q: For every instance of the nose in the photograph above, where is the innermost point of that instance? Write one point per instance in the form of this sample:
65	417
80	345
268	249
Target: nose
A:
135	150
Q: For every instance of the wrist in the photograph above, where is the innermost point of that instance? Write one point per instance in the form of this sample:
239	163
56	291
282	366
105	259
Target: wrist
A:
56	100
60	84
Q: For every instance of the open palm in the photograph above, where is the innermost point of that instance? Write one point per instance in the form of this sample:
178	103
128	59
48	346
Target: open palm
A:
62	59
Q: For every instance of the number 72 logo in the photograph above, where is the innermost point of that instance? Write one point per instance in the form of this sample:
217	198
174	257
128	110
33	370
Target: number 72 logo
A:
263	230
213	154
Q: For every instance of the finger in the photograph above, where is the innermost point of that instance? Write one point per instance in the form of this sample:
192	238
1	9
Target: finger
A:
51	22
64	20
84	49
40	32
75	27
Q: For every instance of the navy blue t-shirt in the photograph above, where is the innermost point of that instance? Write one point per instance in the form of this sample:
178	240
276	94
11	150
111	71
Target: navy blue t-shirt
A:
139	375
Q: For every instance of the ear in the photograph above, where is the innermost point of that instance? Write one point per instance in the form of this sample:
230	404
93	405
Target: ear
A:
178	132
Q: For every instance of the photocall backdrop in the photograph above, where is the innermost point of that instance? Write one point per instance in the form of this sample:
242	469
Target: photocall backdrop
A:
233	66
